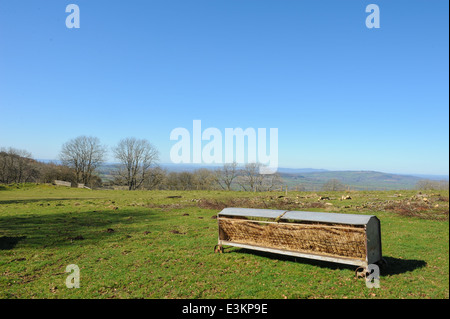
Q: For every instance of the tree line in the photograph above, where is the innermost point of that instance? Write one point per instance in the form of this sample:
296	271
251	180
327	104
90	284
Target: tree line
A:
81	159
229	177
427	184
17	166
85	154
137	168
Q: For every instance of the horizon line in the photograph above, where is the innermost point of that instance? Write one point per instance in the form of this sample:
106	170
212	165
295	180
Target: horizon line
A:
282	167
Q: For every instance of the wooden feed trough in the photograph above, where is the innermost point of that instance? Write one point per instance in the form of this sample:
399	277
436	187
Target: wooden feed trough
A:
340	238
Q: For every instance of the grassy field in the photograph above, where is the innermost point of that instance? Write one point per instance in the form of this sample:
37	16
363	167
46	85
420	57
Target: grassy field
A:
144	244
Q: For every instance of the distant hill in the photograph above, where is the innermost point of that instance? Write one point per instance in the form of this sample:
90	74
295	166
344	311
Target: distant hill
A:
171	167
357	180
432	177
312	179
282	170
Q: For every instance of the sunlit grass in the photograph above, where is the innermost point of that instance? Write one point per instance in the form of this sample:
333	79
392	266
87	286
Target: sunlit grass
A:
143	244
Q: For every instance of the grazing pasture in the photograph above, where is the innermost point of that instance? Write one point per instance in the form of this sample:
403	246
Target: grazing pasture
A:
160	244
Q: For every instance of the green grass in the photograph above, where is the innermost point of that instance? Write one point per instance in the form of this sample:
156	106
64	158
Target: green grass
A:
144	245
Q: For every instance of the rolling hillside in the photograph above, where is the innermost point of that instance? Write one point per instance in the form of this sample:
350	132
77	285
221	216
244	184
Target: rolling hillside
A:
357	180
313	179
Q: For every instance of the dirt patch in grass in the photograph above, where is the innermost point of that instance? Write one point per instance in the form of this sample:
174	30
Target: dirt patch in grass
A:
174	231
79	237
431	206
420	210
259	202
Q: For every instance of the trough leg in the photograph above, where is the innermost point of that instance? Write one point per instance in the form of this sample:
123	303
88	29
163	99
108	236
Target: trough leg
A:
218	249
361	272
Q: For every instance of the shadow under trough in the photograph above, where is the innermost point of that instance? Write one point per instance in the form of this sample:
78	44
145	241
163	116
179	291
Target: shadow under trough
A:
394	265
8	243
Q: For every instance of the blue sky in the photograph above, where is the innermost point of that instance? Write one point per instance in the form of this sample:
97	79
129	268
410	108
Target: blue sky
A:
342	96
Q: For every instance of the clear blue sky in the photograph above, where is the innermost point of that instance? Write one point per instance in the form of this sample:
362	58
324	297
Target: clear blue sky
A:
341	95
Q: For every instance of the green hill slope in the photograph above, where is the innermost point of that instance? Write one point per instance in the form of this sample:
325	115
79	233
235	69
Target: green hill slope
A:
358	180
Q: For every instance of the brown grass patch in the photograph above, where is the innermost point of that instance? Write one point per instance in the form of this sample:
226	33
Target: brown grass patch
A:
259	202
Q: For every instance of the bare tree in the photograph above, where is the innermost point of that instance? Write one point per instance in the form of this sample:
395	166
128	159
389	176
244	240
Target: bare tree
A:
271	182
427	184
250	178
204	179
155	178
17	166
333	185
180	181
84	154
200	179
185	181
136	157
172	181
227	174
52	171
